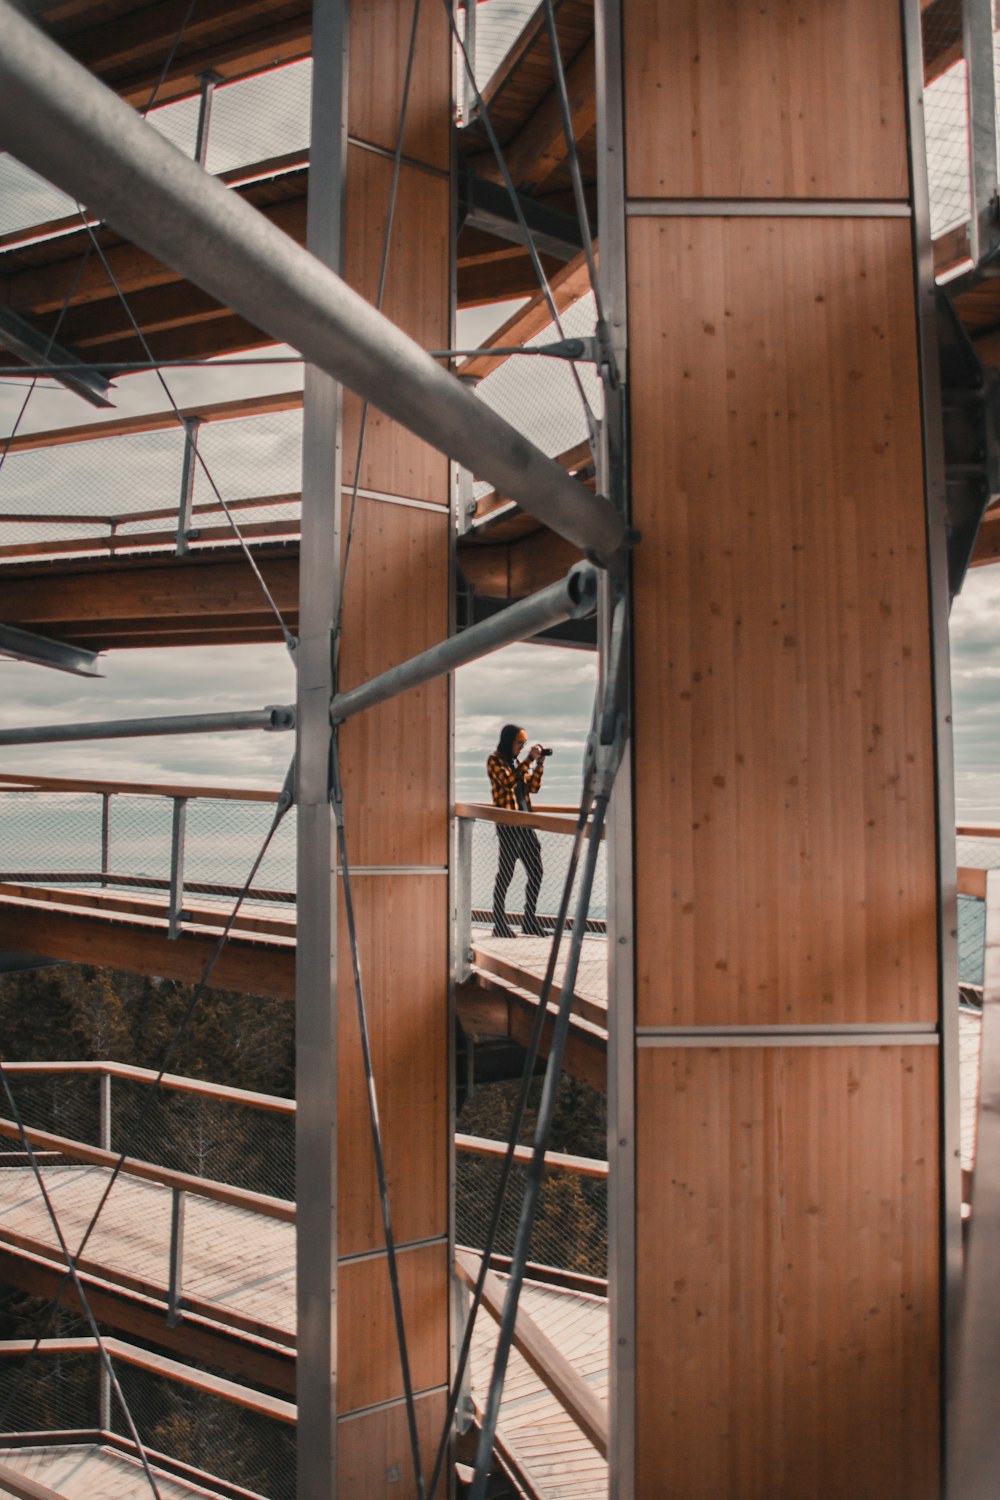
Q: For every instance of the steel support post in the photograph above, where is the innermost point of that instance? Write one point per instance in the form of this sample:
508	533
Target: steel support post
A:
207	82
176	898
192	426
105	836
105	1141
468	88
463	898
572	598
104	1398
64	124
977	37
277	717
175	1288
316	950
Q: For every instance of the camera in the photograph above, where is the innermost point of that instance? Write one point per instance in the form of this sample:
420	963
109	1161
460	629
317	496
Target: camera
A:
546	752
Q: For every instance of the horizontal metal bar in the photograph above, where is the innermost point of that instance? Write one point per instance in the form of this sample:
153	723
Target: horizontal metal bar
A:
822	1028
281	717
572	598
63	123
874	1038
23	338
487	206
761	208
43	651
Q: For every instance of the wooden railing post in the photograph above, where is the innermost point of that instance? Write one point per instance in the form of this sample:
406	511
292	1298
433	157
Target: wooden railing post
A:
175	1293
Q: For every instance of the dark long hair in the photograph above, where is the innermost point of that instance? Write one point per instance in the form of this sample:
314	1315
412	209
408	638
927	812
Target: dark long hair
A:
508	735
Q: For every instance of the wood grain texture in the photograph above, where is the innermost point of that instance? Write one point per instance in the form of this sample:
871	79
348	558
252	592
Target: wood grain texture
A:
780	99
394	757
368	1361
784	763
416	299
373	1449
788	1335
379	44
402	925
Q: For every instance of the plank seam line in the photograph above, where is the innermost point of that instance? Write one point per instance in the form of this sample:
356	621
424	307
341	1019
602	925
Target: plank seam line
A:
765	208
364	1411
806	1029
789	1039
401	1249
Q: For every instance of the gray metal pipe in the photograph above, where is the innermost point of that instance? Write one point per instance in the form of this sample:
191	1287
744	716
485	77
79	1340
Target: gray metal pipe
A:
66	125
572	598
280	716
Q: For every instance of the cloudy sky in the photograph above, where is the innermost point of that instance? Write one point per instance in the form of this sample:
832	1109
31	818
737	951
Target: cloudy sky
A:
548	690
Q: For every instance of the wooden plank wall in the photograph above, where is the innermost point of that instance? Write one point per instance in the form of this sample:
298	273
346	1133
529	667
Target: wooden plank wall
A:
787	1179
396	786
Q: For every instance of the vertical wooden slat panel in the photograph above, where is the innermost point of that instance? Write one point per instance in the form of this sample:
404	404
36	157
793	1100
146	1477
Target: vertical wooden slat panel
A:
782	645
784	99
788	1288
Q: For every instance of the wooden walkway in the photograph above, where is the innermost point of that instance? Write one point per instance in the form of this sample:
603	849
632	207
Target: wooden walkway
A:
242	1266
86	1471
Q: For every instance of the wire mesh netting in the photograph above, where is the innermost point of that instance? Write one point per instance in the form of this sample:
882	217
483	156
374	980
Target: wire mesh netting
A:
66	1391
67	839
946	113
971	939
571	1231
123	493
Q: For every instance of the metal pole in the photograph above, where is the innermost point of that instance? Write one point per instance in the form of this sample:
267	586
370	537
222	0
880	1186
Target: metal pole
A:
277	717
191	426
176	899
105	836
468	87
207	81
463	899
977	38
105	1141
175	1290
64	124
316	1035
572	598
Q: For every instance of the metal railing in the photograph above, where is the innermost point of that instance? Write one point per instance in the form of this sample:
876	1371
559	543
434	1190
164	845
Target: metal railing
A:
518	946
112	841
218	1435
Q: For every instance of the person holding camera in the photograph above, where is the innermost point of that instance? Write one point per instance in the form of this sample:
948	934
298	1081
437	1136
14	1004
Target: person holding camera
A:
512	782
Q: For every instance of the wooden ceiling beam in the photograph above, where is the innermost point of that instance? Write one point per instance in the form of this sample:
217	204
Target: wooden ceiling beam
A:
539	147
568	285
43	289
159	421
144	36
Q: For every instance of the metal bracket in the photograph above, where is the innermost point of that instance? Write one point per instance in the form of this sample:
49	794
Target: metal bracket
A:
43	651
30	344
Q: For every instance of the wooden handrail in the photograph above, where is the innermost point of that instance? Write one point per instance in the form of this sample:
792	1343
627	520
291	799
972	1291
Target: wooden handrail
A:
977	831
129	518
583	1166
573	1393
484	812
159	1364
16	783
273	1103
182	1182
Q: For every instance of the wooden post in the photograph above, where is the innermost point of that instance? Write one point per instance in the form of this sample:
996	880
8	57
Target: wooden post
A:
788	1225
395	771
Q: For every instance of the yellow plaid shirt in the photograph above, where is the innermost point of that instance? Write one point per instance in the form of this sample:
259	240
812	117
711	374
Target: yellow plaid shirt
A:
504	779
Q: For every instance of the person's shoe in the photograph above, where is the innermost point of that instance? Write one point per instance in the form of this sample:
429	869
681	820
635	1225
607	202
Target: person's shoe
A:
503	931
530	927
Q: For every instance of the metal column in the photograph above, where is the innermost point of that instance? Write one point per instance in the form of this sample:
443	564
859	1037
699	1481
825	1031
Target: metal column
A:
316	957
977	38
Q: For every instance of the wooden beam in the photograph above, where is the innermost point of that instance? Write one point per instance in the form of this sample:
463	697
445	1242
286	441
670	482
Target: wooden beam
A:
11	781
568	285
19	1485
492	1009
194	1338
539	147
160	421
972	882
194	916
551	1366
516	569
143	948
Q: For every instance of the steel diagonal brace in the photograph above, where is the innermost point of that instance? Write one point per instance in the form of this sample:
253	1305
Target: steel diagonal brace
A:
66	125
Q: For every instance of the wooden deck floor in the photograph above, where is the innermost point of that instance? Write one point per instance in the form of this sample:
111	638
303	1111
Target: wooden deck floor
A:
86	1471
243	1264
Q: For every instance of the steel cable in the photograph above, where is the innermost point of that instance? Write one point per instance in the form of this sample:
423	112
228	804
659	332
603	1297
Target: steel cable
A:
539	269
289	639
536	1167
73	1275
284	803
513	1135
